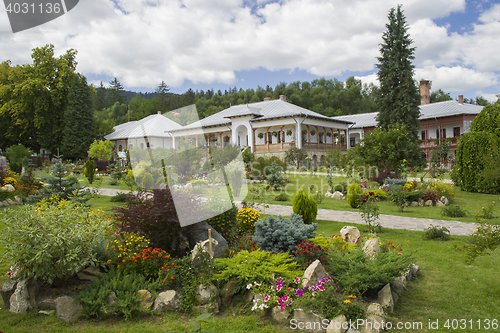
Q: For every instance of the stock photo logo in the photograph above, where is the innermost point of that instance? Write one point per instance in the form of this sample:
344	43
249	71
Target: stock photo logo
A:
27	14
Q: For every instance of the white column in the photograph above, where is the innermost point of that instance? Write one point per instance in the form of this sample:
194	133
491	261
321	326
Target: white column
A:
298	135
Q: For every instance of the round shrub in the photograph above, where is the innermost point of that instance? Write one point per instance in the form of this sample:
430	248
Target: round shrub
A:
89	170
352	195
246	218
51	242
305	206
281	197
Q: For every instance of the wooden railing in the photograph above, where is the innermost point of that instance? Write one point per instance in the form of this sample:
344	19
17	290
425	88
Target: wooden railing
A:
276	147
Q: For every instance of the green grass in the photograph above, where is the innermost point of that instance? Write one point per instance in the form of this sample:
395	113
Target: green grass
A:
447	287
471	202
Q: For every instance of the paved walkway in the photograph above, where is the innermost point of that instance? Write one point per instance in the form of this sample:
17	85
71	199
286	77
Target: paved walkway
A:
386	221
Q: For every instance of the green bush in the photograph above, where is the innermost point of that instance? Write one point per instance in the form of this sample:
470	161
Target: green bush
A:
453	211
390	182
356	275
247	267
352	195
89	170
486	212
95	297
379	194
434	232
399	196
281	197
51	242
4	195
279	234
305	206
16	154
119	197
225	223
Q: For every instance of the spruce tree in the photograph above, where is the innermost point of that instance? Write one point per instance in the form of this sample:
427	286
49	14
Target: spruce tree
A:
78	131
115	92
399	96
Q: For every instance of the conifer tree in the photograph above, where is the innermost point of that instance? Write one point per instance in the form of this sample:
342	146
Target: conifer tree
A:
79	130
399	96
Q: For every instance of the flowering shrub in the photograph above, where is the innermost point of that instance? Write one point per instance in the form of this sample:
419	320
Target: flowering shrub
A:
51	242
307	252
247	267
443	189
125	246
334	242
278	291
10	180
240	243
430	195
246	218
486	211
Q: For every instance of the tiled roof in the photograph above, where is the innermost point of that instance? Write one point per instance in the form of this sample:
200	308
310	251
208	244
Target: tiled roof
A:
259	111
154	125
428	111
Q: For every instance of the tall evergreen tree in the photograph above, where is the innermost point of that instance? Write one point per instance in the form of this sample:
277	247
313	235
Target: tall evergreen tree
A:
116	92
399	96
79	130
101	99
162	95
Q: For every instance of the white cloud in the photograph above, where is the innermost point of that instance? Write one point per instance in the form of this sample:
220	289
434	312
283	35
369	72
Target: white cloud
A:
207	41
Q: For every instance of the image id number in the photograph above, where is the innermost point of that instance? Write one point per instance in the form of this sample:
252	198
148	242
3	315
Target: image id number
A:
26	8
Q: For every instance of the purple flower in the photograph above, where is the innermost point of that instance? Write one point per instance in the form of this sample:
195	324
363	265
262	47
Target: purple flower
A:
299	292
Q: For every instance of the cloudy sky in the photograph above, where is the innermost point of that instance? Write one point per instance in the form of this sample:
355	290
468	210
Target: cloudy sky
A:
203	44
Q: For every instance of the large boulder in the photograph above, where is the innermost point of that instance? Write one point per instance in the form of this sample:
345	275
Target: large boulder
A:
314	274
166	301
373	324
8	187
280	317
308	321
227	292
399	284
338	195
67	309
206	294
203	246
350	234
199	232
8	289
371	248
146	299
339	324
24	298
385	298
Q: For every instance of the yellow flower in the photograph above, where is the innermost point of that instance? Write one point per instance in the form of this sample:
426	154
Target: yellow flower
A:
347	301
352	296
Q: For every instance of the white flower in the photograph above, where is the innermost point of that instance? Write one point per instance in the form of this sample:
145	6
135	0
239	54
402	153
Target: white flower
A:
249	286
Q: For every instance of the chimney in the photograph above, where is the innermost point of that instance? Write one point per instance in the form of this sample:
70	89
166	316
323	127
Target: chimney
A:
425	97
283	98
267	99
461	99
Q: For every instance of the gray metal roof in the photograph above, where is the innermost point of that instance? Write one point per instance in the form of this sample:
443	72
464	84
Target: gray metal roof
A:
259	111
428	111
154	125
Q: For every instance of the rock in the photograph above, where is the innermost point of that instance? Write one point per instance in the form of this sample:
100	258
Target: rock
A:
350	234
47	303
47	313
18	200
24	298
89	274
1	203
399	284
328	194
227	292
280	317
206	294
395	297
385	298
67	309
209	307
373	324
199	232
428	203
8	289
375	309
8	187
338	325
313	274
444	200
167	300
146	299
309	321
421	202
188	186
414	204
414	270
371	248
440	204
9	202
204	246
338	195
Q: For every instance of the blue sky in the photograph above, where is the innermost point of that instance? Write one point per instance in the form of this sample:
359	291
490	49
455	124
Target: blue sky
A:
219	44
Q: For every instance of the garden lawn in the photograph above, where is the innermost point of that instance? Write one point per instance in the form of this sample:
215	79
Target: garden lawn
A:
447	287
471	202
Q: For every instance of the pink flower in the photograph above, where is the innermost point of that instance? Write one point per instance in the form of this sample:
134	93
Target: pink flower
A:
283	306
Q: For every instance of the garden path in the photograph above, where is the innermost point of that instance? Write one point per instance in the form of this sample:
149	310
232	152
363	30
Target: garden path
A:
386	221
